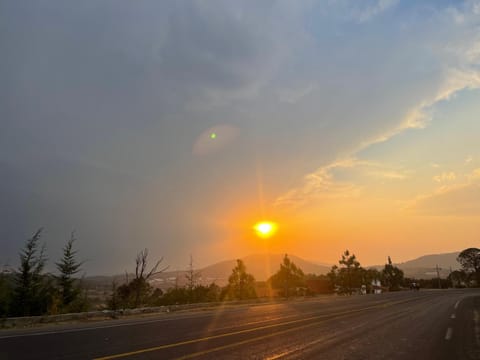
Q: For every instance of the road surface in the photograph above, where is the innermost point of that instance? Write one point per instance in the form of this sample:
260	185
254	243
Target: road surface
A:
435	324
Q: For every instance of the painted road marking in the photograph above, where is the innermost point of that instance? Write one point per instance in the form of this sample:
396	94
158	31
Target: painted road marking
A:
273	357
204	339
456	305
449	334
245	331
134	322
476	320
326	338
99	327
247	341
278	356
453	316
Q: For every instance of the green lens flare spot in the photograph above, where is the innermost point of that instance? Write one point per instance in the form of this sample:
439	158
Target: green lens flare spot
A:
213	136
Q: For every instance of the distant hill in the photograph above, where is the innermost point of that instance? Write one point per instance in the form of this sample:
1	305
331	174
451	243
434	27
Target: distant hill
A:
446	260
424	267
261	266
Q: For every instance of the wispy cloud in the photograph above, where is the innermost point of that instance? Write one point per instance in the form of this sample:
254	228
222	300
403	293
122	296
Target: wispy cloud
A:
323	183
320	185
366	13
390	174
457	72
356	12
445	177
450	198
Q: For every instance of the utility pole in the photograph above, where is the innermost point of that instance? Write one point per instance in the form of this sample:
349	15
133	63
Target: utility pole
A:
450	278
438	276
176	279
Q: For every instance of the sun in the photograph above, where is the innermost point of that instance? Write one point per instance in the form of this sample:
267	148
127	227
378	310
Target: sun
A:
265	229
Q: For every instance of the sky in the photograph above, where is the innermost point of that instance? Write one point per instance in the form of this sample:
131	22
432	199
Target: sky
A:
352	124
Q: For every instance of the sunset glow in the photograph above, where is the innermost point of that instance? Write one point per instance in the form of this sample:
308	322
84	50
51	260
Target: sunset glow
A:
265	229
304	127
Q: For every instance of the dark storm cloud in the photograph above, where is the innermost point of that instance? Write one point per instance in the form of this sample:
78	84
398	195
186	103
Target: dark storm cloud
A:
95	112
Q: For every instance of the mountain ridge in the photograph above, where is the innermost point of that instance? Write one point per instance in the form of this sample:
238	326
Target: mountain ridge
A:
263	265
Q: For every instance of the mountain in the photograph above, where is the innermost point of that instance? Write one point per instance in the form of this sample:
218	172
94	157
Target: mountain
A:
446	260
261	266
424	267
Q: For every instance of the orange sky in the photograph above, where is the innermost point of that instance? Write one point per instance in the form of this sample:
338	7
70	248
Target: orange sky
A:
177	126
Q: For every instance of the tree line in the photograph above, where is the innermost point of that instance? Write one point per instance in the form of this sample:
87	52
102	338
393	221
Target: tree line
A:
30	291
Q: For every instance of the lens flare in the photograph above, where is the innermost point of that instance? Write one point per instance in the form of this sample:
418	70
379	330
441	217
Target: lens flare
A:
214	139
265	229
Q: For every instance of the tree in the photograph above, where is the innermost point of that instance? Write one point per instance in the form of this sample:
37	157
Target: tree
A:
350	272
470	261
241	285
458	278
349	275
31	297
287	277
191	276
392	276
140	283
68	267
6	293
138	291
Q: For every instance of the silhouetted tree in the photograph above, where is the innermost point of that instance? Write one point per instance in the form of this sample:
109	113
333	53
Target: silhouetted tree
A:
392	276
140	283
173	296
458	278
31	293
241	285
288	277
348	275
138	291
191	277
113	302
333	277
470	261
6	293
68	267
181	295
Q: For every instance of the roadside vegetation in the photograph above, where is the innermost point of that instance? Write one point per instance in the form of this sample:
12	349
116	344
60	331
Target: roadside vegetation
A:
30	291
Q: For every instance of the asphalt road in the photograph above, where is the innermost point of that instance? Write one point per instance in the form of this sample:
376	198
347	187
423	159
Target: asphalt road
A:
441	324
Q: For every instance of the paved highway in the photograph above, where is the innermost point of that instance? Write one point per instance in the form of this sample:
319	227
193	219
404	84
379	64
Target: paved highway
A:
441	324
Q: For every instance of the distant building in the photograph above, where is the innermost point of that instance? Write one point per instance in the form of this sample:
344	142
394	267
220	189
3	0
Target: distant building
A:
376	287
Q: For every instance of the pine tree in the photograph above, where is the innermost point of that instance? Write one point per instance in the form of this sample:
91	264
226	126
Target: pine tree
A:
30	297
68	267
288	277
241	285
191	276
392	276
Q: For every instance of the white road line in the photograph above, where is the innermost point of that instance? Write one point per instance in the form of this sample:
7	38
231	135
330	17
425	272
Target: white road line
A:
456	304
449	334
90	328
476	320
453	316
